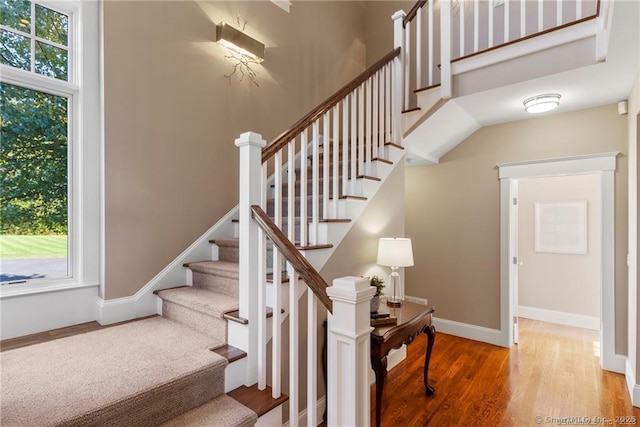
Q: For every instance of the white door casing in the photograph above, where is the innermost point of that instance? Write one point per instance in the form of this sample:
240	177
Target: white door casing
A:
603	164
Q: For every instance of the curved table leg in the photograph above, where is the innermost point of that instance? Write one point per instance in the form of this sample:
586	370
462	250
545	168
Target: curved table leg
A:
380	368
431	336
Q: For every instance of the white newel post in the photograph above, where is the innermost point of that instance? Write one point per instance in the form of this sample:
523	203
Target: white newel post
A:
400	102
250	145
348	352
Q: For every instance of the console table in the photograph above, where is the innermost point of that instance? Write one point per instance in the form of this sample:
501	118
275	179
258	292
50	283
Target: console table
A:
413	319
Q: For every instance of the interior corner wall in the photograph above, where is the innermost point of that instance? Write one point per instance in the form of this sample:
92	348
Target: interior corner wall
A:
171	115
453	211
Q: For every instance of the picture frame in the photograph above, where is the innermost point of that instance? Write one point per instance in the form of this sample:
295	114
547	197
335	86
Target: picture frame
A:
561	227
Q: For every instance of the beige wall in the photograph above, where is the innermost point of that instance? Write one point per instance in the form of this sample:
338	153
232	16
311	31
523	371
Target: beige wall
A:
568	283
452	211
379	26
171	116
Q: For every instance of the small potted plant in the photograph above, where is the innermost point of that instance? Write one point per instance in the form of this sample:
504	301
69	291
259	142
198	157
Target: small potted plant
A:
379	285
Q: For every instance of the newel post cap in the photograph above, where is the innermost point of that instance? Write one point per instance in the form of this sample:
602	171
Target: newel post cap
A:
398	15
250	138
351	289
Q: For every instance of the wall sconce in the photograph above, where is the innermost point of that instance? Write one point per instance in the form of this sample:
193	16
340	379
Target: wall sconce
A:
542	103
239	42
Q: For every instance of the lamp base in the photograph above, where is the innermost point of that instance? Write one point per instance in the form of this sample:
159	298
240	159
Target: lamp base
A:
394	302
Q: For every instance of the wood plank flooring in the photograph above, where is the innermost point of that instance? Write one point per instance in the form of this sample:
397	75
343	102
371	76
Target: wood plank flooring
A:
553	372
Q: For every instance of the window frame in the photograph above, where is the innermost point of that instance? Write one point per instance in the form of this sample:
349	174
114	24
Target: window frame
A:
85	135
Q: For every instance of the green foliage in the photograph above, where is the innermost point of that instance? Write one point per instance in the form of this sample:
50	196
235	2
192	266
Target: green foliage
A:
33	161
377	282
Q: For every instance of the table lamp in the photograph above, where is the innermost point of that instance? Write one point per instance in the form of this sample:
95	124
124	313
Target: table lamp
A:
395	252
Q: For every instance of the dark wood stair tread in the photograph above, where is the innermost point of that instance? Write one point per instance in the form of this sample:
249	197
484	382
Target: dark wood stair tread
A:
422	89
174	287
259	401
230	353
411	109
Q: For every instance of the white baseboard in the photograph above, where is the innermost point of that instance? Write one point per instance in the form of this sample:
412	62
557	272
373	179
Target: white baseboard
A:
302	416
144	302
472	332
38	312
632	386
559	317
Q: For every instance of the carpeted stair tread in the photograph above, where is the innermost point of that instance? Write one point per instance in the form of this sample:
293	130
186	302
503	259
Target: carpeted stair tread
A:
141	373
226	242
223	411
218	268
201	300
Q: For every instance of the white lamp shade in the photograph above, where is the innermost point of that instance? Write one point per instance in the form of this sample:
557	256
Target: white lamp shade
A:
395	252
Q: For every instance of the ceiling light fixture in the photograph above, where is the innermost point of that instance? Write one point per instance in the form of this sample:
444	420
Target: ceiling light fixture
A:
239	42
542	103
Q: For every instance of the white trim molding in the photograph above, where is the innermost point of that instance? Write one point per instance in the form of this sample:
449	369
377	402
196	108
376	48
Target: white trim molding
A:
632	386
283	4
603	164
559	317
465	330
144	302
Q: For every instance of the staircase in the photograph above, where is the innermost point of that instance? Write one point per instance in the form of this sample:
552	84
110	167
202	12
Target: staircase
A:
247	278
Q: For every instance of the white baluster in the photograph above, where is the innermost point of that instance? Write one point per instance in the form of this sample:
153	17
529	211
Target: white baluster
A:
387	103
558	12
262	295
523	18
419	48
407	64
276	268
462	28
294	338
476	25
445	48
578	9
326	158
336	153
364	133
490	24
291	192
540	15
431	54
345	145
304	235
315	181
312	358
375	131
507	18
353	155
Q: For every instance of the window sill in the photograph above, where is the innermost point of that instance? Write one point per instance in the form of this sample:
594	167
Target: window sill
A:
8	291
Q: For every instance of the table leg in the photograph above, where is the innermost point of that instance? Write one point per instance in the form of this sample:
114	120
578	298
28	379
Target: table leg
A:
431	336
380	368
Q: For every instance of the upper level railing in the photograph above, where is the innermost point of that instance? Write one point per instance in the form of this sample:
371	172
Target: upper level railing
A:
435	34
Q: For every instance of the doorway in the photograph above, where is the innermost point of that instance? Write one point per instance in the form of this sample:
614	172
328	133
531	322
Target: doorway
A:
559	250
602	164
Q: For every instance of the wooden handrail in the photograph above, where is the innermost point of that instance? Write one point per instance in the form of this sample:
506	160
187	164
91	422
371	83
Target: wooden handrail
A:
284	138
301	265
412	13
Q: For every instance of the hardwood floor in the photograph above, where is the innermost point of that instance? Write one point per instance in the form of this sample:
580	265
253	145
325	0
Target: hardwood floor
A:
553	372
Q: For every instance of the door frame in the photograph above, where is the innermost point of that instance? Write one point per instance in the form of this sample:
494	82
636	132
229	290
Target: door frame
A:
603	164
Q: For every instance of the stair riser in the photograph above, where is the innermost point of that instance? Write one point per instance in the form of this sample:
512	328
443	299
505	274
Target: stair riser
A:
229	253
215	328
222	284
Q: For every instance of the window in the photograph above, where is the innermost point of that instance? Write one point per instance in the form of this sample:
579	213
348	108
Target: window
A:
49	218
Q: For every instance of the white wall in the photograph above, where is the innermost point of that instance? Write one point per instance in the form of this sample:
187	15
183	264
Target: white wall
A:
561	288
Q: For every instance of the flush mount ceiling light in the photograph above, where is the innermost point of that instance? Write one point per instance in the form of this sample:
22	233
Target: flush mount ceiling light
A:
542	103
239	42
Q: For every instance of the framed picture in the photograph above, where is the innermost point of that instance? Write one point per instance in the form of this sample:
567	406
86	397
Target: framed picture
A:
561	227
